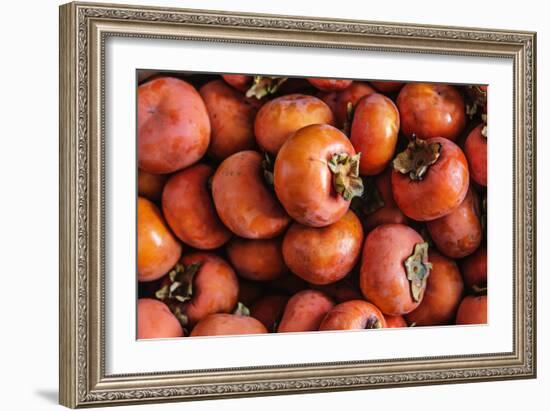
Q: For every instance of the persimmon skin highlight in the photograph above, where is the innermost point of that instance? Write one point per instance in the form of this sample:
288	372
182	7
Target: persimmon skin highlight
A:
303	180
383	278
430	110
441	190
189	209
173	125
324	255
154	320
257	260
243	200
304	311
157	248
281	117
227	324
353	315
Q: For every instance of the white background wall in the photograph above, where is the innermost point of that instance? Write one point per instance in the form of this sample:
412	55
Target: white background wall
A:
28	205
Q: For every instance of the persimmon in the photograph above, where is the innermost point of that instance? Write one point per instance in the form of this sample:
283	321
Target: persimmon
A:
316	175
395	321
201	284
475	149
474	269
458	233
323	255
279	118
173	128
243	200
353	315
374	132
154	320
269	310
304	311
443	293
157	248
231	117
430	110
150	185
227	324
189	209
472	310
430	178
394	268
328	84
257	260
239	81
343	102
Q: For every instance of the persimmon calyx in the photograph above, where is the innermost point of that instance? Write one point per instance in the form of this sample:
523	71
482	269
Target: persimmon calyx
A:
373	323
418	269
241	309
264	85
484	128
345	175
350	110
417	158
180	286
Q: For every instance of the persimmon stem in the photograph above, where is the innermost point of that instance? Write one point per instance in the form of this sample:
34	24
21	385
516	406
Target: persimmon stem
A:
264	85
418	269
417	158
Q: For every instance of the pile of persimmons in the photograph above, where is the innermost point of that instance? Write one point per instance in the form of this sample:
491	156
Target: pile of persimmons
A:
272	204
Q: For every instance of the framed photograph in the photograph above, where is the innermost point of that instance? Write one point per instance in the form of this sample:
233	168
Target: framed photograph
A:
262	205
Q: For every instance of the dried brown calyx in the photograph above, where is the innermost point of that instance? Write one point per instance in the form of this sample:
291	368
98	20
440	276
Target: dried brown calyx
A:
373	322
476	101
179	289
350	110
417	158
418	269
264	85
241	309
345	175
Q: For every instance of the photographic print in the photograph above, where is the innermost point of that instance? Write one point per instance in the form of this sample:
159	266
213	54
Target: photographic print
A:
276	204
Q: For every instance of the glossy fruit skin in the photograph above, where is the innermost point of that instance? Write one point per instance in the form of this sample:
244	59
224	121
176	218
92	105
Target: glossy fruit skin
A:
475	149
327	84
215	287
431	110
442	189
269	310
324	255
389	212
157	248
383	278
257	260
279	118
150	185
387	87
189	210
227	324
304	311
374	132
458	233
472	310
173	125
395	321
155	320
303	180
443	293
352	315
243	201
338	100
474	269
231	117
238	81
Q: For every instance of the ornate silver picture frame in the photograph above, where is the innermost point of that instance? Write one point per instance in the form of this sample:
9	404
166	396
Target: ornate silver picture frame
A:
84	28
